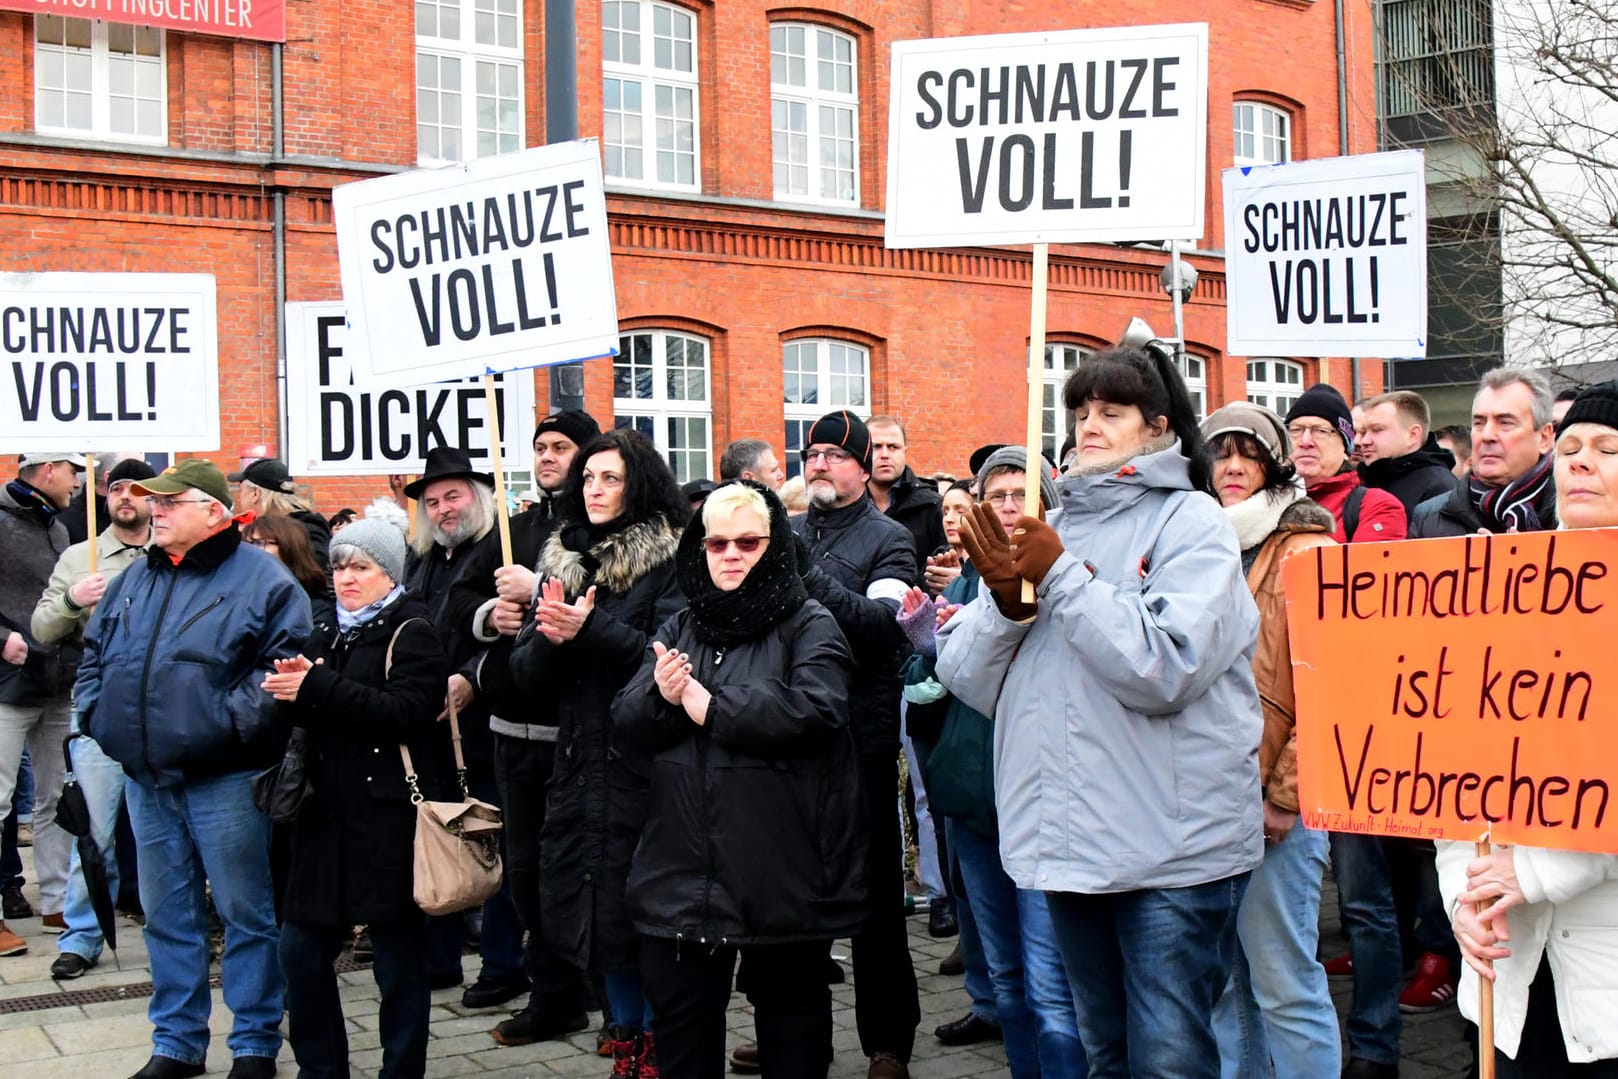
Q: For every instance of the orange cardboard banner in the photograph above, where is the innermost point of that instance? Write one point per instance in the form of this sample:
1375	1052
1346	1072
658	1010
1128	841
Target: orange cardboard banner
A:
1457	688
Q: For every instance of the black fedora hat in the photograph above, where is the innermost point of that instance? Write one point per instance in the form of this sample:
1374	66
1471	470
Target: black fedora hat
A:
447	463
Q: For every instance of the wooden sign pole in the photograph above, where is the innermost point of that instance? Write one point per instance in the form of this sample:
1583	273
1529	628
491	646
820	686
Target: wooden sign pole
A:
504	514
1036	391
1485	1001
90	505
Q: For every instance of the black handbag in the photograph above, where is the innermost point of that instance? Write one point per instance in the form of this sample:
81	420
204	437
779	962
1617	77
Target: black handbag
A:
281	789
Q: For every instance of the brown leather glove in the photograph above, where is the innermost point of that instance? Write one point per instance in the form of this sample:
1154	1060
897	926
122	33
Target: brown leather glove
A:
985	541
1035	547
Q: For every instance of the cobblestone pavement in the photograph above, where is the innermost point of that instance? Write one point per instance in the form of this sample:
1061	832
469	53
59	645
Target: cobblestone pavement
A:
56	1032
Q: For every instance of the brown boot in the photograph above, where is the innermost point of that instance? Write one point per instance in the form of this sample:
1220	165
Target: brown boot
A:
887	1066
744	1059
11	943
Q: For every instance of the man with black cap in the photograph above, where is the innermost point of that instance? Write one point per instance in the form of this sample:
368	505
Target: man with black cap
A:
61	615
267	488
492	601
35	678
1322	431
169	688
859	563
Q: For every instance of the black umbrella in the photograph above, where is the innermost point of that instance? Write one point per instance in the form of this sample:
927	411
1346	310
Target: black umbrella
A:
73	816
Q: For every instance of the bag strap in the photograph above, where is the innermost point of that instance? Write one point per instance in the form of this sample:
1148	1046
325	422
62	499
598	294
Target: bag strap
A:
1351	513
454	728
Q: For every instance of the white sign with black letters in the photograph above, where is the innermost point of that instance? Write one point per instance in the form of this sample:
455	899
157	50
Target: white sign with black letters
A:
1062	137
1328	257
104	361
496	265
337	429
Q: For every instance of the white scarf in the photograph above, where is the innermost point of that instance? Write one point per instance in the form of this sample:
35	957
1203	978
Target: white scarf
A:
1258	515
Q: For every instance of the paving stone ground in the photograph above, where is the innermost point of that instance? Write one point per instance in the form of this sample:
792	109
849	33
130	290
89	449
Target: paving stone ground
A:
111	1039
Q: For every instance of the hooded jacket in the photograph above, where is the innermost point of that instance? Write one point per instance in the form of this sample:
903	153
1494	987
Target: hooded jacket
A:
31	549
1413	477
1127	724
173	658
598	793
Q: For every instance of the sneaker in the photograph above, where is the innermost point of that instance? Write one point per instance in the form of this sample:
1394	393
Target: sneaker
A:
625	1054
646	1058
1341	967
13	904
1431	988
526	1027
70	965
53	923
744	1059
11	943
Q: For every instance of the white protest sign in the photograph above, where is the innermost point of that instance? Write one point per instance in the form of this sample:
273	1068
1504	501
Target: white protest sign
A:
1328	257
496	265
1061	137
104	361
336	429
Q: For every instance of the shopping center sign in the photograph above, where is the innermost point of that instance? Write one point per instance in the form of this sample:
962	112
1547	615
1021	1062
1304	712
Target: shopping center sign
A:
256	20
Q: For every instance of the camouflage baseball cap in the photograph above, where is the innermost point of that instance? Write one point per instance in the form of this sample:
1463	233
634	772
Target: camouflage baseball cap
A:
192	473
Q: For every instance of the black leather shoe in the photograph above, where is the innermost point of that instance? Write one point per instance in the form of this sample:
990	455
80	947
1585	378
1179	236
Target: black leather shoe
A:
488	993
969	1029
252	1068
14	906
941	921
952	963
527	1027
168	1068
69	965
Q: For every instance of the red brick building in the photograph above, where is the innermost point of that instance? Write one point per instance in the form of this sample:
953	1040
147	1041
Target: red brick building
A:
744	146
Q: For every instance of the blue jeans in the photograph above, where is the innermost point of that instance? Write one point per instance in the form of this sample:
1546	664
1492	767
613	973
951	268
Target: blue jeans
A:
208	831
1276	1015
626	999
102	780
1146	968
1031	993
1365	904
978	987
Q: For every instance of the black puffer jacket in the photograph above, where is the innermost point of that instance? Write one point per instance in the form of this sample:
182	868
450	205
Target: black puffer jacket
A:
31	547
597	797
918	506
754	834
1415	477
353	840
851	550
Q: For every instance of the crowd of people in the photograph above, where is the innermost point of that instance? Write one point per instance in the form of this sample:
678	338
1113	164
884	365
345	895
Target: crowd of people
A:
691	706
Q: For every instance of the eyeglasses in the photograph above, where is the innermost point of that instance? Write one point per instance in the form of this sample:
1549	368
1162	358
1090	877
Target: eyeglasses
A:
1316	430
1019	499
264	543
833	456
744	544
159	502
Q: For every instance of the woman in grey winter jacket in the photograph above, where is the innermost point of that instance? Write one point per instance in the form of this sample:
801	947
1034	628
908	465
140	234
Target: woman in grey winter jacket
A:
1126	720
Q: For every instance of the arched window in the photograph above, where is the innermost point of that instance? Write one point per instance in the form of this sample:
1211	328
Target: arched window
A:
1061	359
649	115
814	114
1194	370
1275	384
819	375
1263	134
660	387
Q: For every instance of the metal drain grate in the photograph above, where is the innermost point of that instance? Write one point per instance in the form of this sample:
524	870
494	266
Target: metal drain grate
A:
74	998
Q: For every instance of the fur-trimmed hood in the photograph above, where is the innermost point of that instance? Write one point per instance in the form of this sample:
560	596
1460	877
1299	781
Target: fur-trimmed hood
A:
622	558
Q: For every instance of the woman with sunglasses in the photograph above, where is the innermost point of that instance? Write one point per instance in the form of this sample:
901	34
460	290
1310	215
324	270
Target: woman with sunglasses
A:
753	842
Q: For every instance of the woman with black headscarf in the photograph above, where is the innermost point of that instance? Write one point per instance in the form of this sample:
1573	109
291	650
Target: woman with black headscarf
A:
753	839
606	581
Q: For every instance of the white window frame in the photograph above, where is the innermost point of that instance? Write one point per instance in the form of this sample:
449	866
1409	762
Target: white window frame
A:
1263	134
822	107
651	79
850	389
659	414
1276	384
1196	384
1062	358
490	73
101	61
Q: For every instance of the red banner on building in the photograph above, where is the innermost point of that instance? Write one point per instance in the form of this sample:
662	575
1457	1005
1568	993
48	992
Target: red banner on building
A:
258	20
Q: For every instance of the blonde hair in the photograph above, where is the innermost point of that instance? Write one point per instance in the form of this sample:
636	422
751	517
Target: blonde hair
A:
794	495
277	502
730	500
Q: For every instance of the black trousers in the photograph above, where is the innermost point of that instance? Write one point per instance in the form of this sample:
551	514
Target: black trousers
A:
315	1023
522	769
886	1008
689	987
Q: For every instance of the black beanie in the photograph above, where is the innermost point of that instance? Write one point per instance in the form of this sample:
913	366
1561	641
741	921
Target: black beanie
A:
132	468
576	424
843	428
1323	402
1594	404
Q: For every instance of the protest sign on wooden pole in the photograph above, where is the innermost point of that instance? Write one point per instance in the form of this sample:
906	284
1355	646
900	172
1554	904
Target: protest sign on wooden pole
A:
502	511
90	506
1036	389
1485	998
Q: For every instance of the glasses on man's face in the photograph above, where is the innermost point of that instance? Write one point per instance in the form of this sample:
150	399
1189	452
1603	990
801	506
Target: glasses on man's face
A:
833	456
165	504
1016	499
1313	430
744	544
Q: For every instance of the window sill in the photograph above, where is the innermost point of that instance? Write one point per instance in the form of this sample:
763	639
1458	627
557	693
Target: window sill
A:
99	138
698	199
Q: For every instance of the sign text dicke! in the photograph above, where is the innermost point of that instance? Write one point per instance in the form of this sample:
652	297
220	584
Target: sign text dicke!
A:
477	230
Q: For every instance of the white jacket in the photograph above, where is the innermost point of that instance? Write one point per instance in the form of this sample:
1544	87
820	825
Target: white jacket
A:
1571	914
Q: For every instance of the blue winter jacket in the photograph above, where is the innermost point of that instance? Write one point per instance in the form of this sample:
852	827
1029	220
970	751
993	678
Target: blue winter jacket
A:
173	658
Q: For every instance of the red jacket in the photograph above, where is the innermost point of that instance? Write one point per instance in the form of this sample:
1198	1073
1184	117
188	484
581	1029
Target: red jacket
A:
1382	516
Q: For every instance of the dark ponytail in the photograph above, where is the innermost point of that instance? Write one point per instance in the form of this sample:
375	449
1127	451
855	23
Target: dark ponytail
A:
1182	416
1145	377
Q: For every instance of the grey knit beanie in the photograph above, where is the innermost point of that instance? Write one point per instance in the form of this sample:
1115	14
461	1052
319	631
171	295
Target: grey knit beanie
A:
1017	457
379	541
